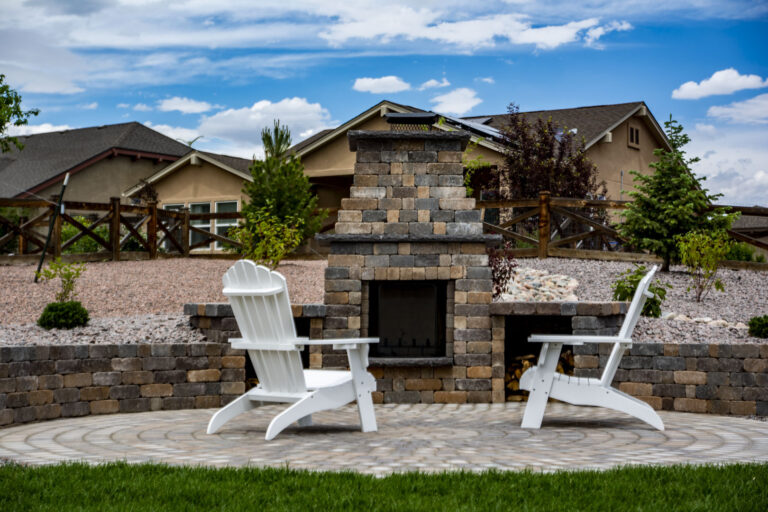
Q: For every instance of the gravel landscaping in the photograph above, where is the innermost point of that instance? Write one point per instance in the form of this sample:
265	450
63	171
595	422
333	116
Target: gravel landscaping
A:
141	301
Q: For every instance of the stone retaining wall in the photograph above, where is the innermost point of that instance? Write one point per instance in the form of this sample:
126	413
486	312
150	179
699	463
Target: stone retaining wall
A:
48	382
704	378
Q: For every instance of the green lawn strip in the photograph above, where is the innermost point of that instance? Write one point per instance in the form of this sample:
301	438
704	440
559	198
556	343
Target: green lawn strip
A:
119	486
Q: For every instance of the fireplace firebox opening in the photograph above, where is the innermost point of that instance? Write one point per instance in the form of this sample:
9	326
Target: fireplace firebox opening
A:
409	318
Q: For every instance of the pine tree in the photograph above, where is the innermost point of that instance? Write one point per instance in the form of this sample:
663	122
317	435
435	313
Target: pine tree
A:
670	202
279	184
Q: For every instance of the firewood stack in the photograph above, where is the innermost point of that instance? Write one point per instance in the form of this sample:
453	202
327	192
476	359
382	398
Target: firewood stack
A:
520	364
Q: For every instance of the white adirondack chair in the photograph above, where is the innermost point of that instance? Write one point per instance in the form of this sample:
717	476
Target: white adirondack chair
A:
544	382
259	299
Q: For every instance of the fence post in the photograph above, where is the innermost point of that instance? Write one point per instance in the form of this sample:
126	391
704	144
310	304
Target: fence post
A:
185	232
56	235
114	227
544	228
152	229
22	238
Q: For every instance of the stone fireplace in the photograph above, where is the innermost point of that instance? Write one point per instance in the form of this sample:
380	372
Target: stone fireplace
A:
408	264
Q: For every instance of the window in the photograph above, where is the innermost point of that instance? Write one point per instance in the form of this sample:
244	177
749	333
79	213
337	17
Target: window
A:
167	245
195	237
634	137
224	225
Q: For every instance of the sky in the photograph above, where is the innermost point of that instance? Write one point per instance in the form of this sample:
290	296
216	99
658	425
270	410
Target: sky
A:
220	71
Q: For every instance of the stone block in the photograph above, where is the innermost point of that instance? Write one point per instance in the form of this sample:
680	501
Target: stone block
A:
650	376
65	395
47	412
743	408
124	392
741	380
211	375
690	405
65	366
473	384
24	415
135	405
750	393
233	388
479	372
94	393
668	363
423	384
159	363
155	390
107	378
756	365
693	350
402	397
186	389
191	363
450	397
690	377
140	377
27	383
72	409
105	407
233	362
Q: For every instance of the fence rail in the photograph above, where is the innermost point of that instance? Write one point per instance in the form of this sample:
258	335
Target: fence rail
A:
580	228
118	230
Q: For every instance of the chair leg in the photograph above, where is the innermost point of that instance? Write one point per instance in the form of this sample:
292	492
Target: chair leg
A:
622	402
229	411
364	385
541	385
319	400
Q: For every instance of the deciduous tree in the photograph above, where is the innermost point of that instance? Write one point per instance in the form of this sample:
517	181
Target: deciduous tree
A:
11	114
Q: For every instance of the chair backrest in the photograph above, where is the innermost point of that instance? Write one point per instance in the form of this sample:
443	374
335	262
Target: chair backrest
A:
636	306
259	299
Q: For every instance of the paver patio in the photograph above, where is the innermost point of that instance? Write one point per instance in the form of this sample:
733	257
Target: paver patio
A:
420	437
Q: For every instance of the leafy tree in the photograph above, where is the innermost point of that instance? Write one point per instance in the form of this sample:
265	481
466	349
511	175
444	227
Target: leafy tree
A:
545	156
11	114
702	253
281	187
266	239
670	202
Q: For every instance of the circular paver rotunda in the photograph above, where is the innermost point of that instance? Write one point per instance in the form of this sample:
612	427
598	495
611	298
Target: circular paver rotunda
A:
418	437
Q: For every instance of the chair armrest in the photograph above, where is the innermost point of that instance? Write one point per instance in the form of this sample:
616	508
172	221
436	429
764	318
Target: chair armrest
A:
575	339
338	343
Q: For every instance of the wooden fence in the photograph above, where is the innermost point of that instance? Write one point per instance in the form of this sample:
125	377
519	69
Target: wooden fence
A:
576	228
154	232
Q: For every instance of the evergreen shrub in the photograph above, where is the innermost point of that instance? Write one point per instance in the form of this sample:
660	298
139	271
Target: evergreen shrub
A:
63	315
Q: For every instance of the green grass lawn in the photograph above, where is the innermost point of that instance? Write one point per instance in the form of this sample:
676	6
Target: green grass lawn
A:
120	486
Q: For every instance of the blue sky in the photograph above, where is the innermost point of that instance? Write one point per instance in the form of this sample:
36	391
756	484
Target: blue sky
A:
223	70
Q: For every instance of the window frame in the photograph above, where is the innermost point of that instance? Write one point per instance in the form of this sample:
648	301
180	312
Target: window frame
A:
199	226
228	223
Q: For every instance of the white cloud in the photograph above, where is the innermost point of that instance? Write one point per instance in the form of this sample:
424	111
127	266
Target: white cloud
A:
123	105
706	129
751	111
735	163
183	105
90	106
726	81
486	79
432	84
459	101
385	84
174	132
142	107
243	125
32	129
550	37
596	33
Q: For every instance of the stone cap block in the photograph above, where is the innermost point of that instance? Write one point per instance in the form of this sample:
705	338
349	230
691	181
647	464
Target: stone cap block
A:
355	136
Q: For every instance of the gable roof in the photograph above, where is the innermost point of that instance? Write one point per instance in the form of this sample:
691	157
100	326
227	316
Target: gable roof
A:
46	157
480	133
240	167
592	122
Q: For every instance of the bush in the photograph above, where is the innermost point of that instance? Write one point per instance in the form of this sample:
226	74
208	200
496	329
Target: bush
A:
502	267
758	326
266	239
740	251
63	315
702	253
625	286
68	273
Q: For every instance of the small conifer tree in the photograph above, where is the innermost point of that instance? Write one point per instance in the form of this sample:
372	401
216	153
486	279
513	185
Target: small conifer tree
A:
281	187
670	202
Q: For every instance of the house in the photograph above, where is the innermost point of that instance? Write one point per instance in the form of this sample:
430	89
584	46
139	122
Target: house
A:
102	161
618	138
203	182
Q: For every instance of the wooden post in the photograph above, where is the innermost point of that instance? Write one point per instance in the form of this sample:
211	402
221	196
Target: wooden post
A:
152	229
56	235
114	227
544	228
185	232
22	238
